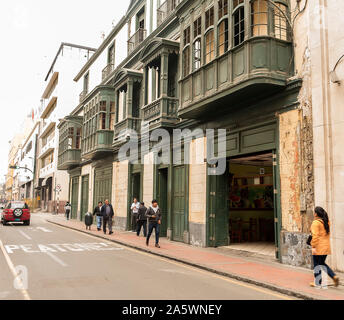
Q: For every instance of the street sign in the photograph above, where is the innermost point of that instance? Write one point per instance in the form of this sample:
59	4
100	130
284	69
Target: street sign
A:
58	188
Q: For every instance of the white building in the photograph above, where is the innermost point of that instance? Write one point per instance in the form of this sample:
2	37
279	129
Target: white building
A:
58	98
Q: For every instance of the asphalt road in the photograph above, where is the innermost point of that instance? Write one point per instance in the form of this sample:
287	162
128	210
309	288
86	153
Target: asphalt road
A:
58	263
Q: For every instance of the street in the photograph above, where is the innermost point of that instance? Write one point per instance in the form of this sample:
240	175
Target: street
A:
65	264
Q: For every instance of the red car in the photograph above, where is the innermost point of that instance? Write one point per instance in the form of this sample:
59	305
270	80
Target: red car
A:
16	211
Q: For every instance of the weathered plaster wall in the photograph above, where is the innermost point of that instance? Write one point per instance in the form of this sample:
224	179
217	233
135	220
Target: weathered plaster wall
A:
197	193
290	170
120	193
296	179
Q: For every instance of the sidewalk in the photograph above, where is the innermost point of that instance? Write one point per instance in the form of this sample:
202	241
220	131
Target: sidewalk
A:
269	274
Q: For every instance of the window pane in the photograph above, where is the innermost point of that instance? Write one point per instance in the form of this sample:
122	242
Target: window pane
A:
259	17
281	27
197	54
210	47
186	61
239	26
223	37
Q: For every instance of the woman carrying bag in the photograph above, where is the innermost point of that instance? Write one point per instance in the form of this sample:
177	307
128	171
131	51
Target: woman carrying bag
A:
320	242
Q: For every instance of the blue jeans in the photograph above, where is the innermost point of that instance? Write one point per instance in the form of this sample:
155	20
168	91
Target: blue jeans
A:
319	261
156	226
99	222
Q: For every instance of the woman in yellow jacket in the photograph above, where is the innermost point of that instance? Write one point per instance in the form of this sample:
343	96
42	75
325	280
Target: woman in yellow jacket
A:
320	243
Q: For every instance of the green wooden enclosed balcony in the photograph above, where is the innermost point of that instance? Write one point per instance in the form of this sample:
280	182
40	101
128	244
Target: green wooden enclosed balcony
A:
98	121
257	67
69	155
233	52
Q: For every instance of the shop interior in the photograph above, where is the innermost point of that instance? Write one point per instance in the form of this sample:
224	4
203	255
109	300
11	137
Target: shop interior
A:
251	204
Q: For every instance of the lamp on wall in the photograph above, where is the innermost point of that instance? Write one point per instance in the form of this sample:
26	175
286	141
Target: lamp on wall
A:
333	75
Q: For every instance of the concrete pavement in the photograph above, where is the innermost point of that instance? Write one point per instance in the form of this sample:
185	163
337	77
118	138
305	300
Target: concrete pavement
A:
265	273
59	263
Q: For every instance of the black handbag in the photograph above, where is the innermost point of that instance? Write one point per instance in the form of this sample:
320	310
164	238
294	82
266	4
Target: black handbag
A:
309	240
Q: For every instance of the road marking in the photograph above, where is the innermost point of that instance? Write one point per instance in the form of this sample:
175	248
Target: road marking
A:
58	260
63	247
180	264
43	229
25	235
14	272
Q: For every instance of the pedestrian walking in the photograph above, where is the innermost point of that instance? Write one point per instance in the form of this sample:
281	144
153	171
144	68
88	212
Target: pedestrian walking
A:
68	208
153	214
320	242
134	211
142	220
107	214
98	214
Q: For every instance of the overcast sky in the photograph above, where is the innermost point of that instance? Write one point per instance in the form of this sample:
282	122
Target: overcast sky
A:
31	32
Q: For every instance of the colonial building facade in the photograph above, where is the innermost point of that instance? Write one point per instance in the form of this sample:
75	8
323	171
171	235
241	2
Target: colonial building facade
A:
198	65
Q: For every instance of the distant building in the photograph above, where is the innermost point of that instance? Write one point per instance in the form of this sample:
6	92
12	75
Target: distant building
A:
58	98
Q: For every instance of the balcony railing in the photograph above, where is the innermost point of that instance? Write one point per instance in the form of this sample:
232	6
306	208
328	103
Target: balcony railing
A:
68	159
161	112
49	146
138	37
123	127
107	70
165	10
82	96
49	169
96	143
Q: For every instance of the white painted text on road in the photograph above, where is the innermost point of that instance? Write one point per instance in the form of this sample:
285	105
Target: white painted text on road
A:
63	247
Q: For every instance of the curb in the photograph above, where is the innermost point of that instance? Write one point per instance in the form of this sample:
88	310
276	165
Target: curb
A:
198	266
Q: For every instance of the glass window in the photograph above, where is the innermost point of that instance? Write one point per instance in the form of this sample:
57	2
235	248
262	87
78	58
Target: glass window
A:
78	138
237	2
259	17
239	25
209	46
186	36
197	54
197	27
186	61
209	17
223	37
223	8
280	21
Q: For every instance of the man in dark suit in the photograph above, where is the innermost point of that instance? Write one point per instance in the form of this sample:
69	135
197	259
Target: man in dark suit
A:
107	213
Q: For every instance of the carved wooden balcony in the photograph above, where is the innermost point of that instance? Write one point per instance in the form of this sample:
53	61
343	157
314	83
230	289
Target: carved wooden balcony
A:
161	112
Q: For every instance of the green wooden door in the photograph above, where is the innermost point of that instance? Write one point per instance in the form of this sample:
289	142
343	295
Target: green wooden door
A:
84	196
161	196
218	211
75	197
178	203
135	192
102	185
